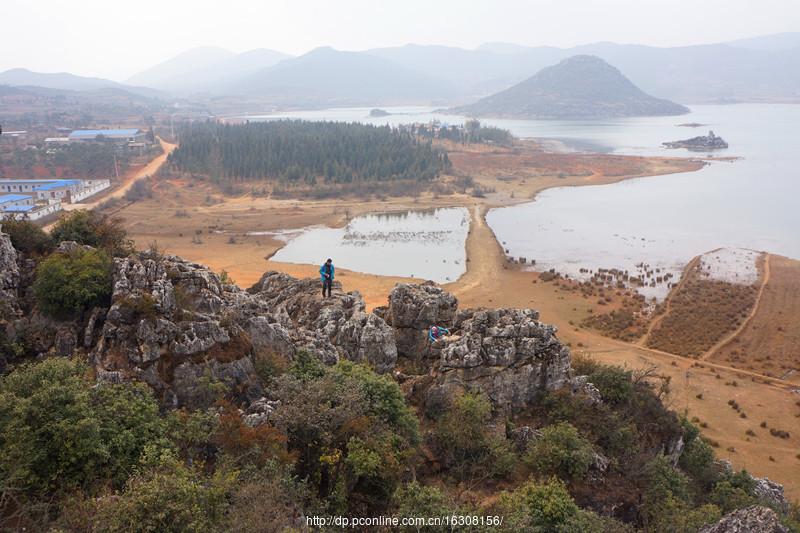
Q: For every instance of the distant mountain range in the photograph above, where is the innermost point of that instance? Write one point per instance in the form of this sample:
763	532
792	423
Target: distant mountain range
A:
580	87
206	69
755	69
20	77
333	77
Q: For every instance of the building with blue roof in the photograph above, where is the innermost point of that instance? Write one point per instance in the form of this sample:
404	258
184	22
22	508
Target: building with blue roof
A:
15	199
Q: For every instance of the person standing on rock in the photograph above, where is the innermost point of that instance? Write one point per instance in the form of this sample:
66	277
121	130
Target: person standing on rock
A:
326	273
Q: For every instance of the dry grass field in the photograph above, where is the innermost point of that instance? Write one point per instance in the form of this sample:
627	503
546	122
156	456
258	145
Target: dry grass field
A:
699	313
770	341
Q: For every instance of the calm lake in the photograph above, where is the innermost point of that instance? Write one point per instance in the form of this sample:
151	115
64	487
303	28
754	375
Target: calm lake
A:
424	244
662	221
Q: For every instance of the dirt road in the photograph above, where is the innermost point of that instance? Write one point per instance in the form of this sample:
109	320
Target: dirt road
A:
148	170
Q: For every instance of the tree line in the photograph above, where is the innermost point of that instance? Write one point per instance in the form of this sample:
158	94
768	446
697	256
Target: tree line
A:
306	152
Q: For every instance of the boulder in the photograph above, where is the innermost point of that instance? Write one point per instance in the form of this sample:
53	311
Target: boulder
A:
770	493
523	436
754	519
412	310
505	353
167	326
582	385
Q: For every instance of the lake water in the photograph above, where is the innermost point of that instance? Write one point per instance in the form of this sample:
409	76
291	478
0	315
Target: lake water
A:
424	244
662	221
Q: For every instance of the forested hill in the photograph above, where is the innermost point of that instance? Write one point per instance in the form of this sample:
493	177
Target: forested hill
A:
300	151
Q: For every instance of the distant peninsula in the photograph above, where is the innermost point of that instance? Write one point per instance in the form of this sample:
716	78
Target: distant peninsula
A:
580	87
379	113
699	144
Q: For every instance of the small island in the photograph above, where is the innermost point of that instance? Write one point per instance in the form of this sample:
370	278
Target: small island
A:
379	113
701	143
691	125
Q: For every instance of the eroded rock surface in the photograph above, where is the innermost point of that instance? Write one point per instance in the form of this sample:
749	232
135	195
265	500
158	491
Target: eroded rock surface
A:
754	519
341	320
9	275
176	326
505	353
412	310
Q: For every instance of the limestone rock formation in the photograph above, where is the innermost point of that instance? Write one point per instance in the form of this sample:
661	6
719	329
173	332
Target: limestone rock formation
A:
9	275
176	326
341	321
505	353
770	493
412	310
754	519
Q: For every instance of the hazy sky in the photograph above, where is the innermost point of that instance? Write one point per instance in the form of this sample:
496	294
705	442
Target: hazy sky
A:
116	39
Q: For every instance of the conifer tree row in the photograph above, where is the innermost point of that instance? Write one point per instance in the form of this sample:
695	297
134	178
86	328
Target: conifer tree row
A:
310	152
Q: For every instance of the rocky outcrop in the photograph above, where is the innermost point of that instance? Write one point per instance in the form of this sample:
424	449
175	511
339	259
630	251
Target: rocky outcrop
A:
770	493
412	310
167	326
699	144
755	519
339	326
505	353
176	326
9	276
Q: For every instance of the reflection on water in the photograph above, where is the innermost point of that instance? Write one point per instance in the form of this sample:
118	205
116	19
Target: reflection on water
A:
423	244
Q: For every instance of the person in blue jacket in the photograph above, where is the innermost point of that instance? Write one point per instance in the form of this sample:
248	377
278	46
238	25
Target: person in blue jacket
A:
437	332
326	273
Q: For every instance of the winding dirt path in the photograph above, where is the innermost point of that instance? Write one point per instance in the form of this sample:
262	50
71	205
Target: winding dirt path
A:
148	170
728	338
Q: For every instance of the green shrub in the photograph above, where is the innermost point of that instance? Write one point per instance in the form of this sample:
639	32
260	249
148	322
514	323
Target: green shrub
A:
561	451
416	500
58	432
27	237
538	507
93	229
733	492
465	444
68	284
306	366
697	460
614	383
665	487
385	400
170	498
349	428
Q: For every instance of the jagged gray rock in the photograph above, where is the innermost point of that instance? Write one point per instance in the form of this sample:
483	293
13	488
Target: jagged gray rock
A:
173	324
412	310
9	276
259	411
505	353
341	320
754	519
582	385
523	436
770	493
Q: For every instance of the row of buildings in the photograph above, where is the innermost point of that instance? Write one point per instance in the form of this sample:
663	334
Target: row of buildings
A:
130	139
39	198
